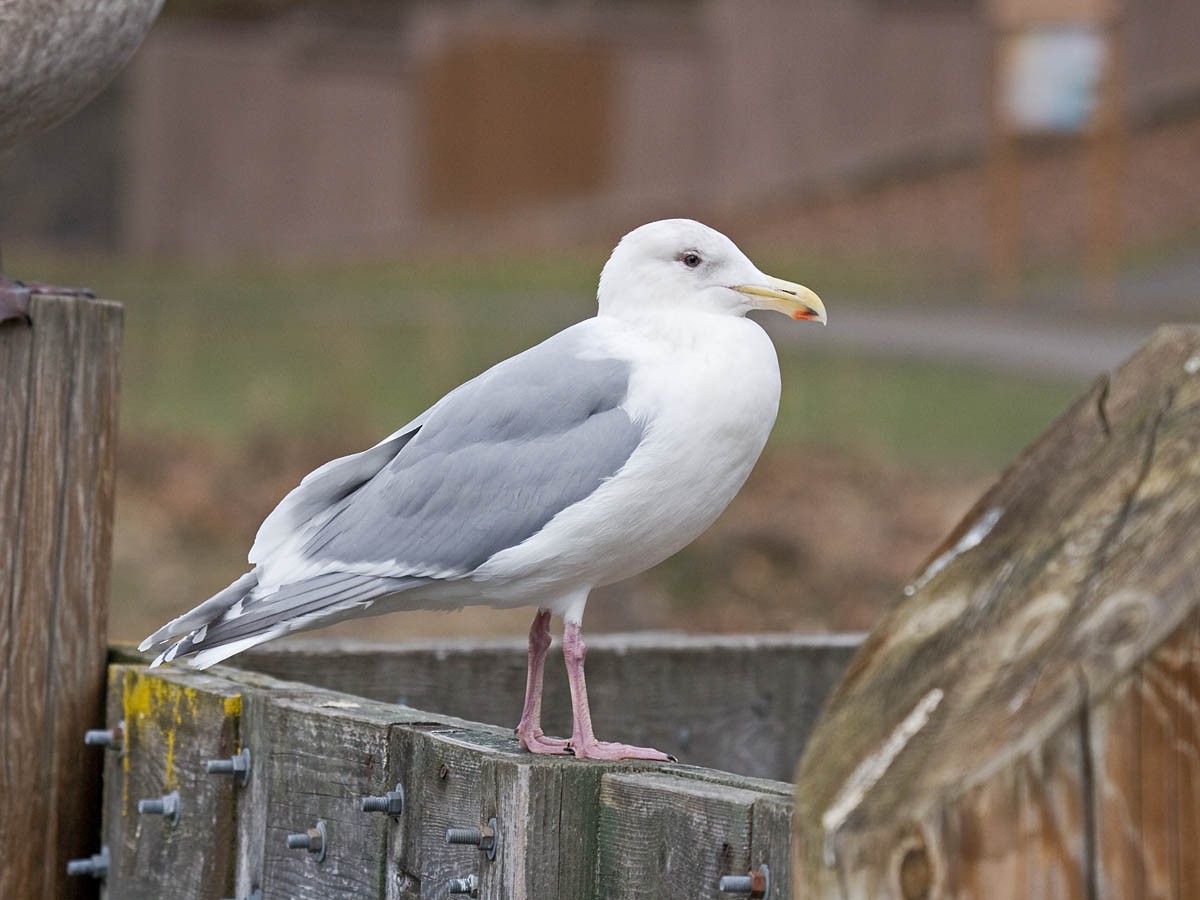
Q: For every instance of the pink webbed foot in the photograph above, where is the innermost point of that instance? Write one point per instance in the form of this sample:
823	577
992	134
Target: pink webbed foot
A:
535	742
594	749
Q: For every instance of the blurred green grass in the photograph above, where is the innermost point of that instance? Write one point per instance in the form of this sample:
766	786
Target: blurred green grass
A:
223	353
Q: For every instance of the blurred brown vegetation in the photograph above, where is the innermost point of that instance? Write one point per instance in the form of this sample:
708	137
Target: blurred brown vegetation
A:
819	539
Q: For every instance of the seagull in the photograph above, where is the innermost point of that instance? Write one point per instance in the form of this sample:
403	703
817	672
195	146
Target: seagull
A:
55	55
581	461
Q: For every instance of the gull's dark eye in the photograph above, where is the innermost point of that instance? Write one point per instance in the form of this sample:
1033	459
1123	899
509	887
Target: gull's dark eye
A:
690	259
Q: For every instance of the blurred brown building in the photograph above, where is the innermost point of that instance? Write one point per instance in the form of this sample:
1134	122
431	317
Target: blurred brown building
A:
398	126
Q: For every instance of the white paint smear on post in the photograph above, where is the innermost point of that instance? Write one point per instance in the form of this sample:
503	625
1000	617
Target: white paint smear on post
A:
971	539
868	772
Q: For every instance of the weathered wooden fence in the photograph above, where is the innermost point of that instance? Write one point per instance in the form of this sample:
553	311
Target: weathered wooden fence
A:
58	416
563	827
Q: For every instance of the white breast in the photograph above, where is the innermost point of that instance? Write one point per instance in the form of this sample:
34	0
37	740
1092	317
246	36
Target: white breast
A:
707	388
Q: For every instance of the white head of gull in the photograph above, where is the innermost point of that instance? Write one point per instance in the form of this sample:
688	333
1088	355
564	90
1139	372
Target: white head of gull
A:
584	460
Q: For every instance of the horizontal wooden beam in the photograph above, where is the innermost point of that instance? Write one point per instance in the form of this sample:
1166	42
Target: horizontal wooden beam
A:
742	703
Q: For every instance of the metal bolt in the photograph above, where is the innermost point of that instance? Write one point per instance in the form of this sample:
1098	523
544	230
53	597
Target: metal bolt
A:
313	840
105	737
484	837
95	865
391	803
237	766
756	883
468	885
166	806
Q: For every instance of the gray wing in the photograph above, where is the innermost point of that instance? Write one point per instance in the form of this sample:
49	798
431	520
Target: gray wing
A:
483	470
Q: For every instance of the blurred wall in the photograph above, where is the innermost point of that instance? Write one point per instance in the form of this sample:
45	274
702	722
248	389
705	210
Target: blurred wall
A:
289	136
864	121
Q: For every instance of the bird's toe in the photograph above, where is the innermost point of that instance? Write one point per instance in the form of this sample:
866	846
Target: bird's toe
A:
610	750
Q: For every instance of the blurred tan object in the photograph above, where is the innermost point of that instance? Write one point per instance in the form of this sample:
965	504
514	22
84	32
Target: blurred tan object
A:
1056	75
55	55
1023	723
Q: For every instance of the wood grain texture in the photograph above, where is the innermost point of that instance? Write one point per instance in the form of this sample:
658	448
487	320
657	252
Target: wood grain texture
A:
770	842
58	419
753	720
661	835
319	762
1014	682
546	811
1145	739
440	763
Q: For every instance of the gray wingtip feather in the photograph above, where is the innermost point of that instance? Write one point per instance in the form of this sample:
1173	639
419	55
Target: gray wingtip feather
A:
210	610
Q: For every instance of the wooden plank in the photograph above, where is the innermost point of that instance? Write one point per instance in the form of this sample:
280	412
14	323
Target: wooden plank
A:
293	779
320	759
28	707
1021	835
1071	572
80	627
441	766
661	835
174	723
1145	739
1187	762
16	343
437	759
771	842
546	809
753	721
59	421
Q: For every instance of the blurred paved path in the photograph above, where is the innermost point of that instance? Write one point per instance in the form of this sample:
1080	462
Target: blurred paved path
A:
1053	333
1012	342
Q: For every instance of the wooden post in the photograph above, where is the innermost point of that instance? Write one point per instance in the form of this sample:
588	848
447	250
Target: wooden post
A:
58	421
1024	723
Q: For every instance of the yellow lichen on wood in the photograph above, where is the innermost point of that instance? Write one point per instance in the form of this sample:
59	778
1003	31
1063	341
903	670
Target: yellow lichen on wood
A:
148	699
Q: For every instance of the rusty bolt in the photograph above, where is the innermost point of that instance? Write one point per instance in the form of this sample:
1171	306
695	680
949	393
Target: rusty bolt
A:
484	837
105	737
754	883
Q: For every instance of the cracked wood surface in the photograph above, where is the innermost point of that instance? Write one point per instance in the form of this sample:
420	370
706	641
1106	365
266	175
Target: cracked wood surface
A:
1025	721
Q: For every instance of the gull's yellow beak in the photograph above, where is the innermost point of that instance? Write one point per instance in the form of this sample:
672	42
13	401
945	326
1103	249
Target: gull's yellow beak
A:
787	297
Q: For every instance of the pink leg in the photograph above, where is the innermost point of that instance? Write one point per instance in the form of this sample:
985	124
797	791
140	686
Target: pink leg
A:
583	740
529	729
